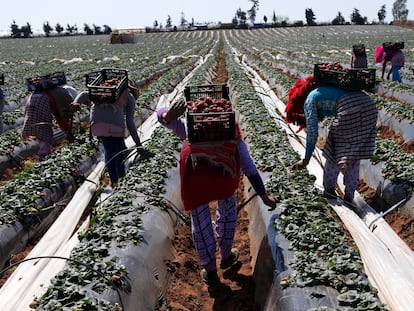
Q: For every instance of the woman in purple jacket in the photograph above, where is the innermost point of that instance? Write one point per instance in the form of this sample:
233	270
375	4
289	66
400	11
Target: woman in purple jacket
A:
204	237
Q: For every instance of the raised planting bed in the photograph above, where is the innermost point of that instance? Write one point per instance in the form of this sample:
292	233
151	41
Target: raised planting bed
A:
31	201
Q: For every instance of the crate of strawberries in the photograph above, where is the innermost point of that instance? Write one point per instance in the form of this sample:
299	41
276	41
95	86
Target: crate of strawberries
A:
106	85
209	116
347	78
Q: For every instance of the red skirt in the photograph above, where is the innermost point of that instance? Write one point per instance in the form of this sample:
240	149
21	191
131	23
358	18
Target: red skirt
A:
205	182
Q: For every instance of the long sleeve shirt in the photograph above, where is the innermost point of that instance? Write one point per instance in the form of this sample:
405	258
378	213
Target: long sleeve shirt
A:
398	58
321	102
111	119
247	164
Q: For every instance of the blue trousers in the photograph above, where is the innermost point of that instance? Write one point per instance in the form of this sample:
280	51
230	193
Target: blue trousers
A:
395	70
115	156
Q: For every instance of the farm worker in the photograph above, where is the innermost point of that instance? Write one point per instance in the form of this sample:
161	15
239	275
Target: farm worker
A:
386	57
397	61
350	138
207	181
40	107
359	57
108	122
1	110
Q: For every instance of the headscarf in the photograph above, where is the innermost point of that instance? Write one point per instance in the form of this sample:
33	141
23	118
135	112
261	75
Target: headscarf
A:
297	97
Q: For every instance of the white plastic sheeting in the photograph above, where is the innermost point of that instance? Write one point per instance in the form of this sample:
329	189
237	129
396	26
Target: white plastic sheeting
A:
19	290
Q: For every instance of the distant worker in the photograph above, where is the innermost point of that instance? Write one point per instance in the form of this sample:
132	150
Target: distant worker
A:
386	58
359	57
397	62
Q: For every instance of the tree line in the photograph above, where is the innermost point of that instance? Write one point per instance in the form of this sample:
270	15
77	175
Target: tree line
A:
399	12
25	31
240	20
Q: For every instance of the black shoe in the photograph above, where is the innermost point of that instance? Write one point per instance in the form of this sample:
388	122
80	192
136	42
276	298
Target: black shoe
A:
227	263
210	278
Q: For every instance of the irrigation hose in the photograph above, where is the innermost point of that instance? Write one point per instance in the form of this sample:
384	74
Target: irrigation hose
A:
382	214
246	202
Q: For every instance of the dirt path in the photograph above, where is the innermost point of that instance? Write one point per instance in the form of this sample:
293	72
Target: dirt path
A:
186	290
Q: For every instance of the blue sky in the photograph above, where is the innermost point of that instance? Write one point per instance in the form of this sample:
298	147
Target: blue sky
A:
130	13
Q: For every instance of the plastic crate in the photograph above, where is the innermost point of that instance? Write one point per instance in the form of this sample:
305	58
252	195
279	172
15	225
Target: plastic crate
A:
393	45
216	91
211	126
102	93
351	79
46	82
2	79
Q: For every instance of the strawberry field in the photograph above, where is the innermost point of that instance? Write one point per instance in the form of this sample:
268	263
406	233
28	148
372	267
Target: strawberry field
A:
111	252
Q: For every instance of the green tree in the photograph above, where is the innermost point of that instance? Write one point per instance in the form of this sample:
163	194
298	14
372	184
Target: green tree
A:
234	20
357	19
381	14
106	29
71	29
88	30
183	21
58	28
241	17
274	18
97	30
168	22
155	25
338	20
15	30
265	19
310	17
399	10
253	10
27	31
47	29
